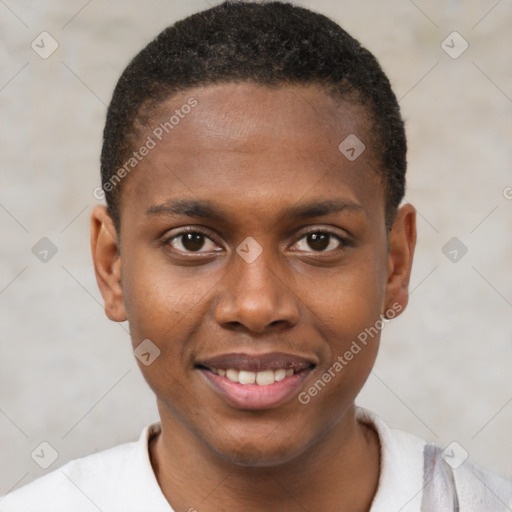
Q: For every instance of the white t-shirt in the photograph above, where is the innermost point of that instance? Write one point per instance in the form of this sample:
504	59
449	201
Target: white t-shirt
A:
413	478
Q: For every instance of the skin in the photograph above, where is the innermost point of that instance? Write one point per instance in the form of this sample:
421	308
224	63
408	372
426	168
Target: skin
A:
255	152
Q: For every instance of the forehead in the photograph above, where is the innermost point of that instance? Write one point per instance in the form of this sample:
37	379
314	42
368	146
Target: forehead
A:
266	143
242	114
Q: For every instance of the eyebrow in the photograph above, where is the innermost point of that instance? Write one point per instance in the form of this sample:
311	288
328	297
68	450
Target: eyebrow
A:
206	210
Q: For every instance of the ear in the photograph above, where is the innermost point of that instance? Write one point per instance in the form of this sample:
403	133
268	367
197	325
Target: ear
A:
107	263
402	241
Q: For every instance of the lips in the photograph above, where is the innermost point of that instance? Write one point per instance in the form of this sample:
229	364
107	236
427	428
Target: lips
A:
255	381
258	362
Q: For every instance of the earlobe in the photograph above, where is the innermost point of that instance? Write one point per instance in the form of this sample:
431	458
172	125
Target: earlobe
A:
107	263
402	242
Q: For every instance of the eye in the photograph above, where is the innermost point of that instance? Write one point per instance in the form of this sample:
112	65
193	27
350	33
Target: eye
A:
321	241
191	240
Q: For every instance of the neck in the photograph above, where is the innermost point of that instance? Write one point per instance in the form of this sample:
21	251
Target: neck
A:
339	472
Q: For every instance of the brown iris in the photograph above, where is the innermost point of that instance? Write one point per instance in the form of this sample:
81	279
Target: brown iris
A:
193	241
318	241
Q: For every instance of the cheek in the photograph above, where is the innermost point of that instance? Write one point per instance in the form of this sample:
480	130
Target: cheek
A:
348	314
160	299
163	305
349	302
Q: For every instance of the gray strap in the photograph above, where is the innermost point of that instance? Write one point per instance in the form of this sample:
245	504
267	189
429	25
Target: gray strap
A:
439	491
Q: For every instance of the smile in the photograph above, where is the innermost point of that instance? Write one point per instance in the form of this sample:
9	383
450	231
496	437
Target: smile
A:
256	381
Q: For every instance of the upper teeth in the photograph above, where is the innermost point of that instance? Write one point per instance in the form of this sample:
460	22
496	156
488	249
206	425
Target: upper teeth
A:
263	378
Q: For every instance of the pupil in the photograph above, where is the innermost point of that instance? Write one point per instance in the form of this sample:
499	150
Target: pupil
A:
318	241
193	241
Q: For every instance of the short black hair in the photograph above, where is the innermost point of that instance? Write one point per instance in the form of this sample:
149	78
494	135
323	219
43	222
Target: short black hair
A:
267	43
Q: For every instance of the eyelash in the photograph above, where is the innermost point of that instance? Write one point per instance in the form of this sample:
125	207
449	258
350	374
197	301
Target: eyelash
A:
184	231
344	242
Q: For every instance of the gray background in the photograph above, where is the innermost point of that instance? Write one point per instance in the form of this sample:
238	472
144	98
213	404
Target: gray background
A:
68	376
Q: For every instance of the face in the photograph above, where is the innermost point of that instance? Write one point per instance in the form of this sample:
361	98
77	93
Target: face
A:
253	254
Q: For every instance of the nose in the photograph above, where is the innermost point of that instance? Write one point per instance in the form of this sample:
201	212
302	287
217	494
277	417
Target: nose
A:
253	297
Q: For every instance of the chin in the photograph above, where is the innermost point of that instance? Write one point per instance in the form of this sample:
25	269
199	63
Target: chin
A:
260	454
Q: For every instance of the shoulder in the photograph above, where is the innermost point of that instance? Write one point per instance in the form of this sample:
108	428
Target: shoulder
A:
112	480
447	478
401	466
478	489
